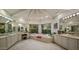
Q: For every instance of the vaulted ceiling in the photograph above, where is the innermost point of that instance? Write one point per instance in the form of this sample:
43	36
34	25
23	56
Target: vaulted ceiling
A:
37	15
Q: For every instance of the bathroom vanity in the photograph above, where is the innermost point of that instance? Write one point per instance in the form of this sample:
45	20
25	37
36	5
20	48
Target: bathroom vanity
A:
67	41
8	40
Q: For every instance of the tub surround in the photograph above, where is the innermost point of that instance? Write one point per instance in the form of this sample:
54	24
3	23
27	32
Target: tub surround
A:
42	37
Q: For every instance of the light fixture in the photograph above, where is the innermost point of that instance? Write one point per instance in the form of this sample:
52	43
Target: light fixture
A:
74	14
70	15
13	25
20	24
67	16
77	13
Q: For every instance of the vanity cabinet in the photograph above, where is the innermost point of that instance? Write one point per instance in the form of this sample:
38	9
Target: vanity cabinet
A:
60	41
67	42
64	42
3	43
56	39
78	44
9	40
12	39
72	44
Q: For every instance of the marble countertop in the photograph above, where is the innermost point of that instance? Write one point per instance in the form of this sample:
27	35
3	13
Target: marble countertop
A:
6	35
70	36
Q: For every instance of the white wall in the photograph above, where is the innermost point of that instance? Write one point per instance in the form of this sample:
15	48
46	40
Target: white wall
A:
56	20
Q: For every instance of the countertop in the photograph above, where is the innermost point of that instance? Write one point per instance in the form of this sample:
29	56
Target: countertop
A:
70	36
6	35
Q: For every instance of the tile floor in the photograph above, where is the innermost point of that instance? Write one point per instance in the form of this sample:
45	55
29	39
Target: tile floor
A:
31	44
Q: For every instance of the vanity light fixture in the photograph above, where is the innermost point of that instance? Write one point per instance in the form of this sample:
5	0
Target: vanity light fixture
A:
77	13
20	24
74	15
13	25
70	15
67	16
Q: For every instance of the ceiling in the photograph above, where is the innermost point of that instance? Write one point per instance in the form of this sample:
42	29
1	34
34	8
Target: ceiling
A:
37	15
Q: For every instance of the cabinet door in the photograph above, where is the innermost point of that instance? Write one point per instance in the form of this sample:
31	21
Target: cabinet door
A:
9	41
56	38
72	44
78	44
3	43
59	40
64	42
19	37
13	39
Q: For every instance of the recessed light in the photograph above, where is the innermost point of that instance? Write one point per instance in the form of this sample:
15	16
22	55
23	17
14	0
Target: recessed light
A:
13	25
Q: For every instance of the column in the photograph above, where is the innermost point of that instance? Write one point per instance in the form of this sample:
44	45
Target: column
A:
39	28
52	28
28	27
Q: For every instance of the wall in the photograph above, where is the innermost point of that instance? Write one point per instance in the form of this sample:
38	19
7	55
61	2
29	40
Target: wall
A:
54	21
